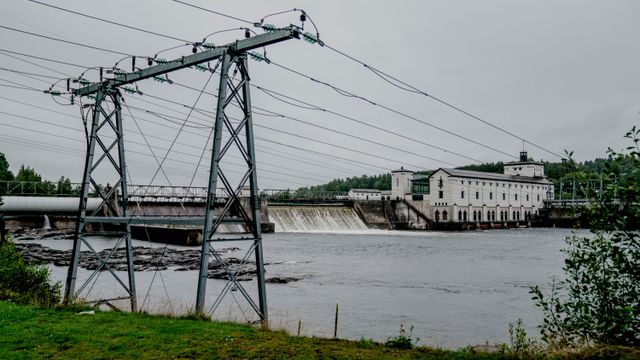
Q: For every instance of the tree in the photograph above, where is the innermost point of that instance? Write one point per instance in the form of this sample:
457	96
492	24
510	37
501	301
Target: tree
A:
599	301
5	174
27	174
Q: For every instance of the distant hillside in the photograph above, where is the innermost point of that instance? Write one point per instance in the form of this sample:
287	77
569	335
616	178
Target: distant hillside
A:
380	182
553	170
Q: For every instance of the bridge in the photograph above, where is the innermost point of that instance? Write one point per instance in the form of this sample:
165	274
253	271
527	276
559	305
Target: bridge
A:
161	193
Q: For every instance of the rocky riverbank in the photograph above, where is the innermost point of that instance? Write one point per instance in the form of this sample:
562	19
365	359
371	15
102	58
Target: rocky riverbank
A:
144	258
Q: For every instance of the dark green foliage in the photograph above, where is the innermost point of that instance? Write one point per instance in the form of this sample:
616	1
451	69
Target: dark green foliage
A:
24	283
379	182
403	340
27	174
5	173
601	301
497	167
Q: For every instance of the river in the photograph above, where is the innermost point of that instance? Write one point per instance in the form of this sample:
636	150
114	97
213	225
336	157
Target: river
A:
453	288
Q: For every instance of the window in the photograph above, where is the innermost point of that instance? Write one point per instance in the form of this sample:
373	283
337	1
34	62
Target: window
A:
527	197
444	215
440	194
516	196
504	196
459	215
538	197
477	195
490	195
440	183
397	182
462	194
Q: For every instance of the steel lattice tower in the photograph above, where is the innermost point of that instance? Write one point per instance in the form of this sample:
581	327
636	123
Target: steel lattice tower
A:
240	135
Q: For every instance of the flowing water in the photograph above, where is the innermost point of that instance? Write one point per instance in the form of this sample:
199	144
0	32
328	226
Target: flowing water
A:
315	219
453	288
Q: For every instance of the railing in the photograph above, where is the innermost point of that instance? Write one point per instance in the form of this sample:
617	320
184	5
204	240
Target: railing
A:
159	192
551	204
302	195
47	188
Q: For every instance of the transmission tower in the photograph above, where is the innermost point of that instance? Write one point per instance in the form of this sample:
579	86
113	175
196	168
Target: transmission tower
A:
240	137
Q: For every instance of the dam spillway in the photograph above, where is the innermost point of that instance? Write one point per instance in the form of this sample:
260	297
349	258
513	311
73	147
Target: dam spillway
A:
314	218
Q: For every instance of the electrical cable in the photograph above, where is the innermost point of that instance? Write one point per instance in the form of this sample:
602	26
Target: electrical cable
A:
328	129
109	21
315	107
213	12
413	89
65	41
397	112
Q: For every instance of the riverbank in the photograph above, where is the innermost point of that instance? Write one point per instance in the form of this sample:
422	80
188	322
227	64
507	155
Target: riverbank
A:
36	333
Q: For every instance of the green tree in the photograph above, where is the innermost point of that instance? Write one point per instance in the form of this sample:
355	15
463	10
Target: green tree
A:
27	174
64	186
5	175
599	301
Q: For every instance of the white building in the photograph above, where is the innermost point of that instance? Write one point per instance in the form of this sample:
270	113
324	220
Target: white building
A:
473	196
365	194
401	183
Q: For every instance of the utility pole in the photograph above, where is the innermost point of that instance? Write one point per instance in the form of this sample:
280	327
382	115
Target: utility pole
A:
240	136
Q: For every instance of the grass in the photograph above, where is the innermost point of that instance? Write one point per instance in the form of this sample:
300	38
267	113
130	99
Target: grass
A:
36	333
29	332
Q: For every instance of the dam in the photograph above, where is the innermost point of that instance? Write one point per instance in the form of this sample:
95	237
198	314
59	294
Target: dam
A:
315	218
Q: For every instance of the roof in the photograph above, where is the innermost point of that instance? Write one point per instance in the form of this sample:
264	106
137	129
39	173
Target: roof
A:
511	163
402	169
365	190
493	176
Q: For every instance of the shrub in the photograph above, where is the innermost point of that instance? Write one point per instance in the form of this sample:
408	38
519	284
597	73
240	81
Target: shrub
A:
402	340
599	301
24	283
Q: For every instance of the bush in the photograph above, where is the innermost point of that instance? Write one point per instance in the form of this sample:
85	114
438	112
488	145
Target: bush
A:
24	283
402	340
599	301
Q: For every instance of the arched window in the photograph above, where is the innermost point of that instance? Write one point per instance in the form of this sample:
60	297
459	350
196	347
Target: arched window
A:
514	215
437	215
464	215
459	215
475	216
444	215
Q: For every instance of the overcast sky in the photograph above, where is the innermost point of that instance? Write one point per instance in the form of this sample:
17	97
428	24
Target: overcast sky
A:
560	74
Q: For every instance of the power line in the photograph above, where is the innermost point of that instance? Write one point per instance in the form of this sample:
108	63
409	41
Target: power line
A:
413	89
325	128
28	73
397	112
64	41
111	22
213	12
44	58
129	150
316	107
34	64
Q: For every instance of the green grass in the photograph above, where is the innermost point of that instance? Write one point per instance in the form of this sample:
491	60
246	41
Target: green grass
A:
35	333
28	332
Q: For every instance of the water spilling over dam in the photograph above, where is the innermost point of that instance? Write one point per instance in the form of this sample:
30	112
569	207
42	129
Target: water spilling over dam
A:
327	218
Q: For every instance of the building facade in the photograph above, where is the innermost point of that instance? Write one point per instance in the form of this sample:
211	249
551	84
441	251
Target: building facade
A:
365	194
473	196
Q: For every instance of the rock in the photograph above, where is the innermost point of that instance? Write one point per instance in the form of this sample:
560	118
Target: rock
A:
146	259
282	280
